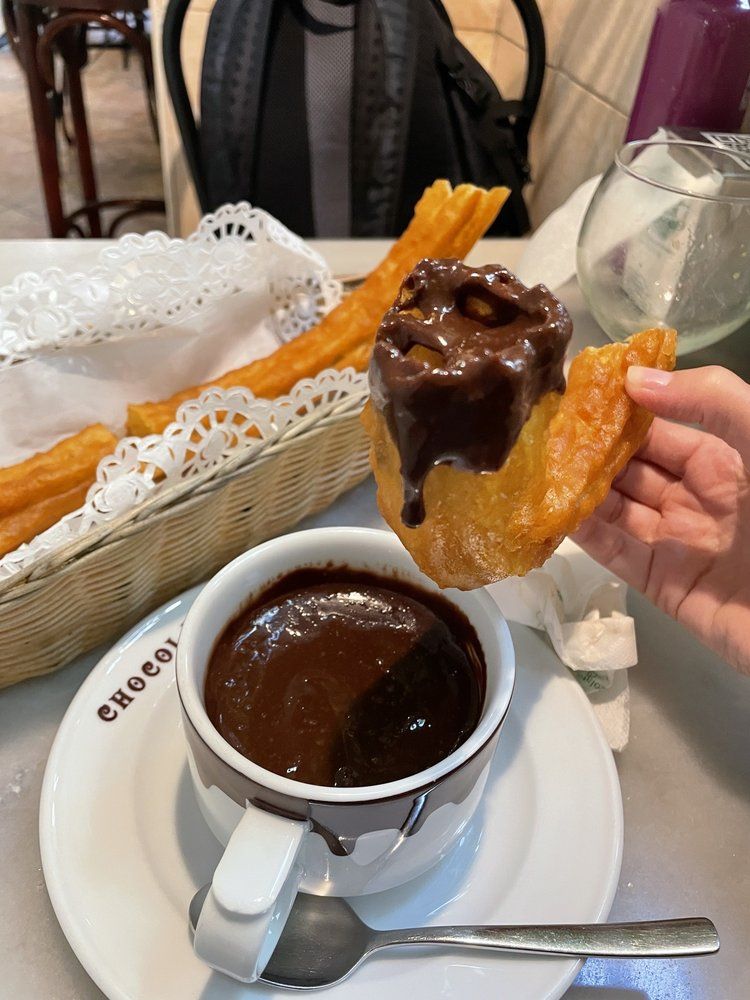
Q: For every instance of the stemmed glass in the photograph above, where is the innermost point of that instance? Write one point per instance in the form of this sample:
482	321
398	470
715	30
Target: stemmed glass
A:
666	240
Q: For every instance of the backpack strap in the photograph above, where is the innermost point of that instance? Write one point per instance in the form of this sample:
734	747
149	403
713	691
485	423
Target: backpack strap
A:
471	77
386	41
174	19
536	48
232	80
492	131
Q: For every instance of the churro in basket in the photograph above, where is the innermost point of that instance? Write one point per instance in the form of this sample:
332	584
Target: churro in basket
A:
446	222
36	493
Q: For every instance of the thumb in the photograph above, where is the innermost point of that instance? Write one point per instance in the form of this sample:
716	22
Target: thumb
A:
712	397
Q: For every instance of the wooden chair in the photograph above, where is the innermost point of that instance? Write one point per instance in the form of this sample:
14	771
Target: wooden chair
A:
38	32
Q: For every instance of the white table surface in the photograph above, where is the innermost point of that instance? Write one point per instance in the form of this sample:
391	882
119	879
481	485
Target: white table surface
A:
685	775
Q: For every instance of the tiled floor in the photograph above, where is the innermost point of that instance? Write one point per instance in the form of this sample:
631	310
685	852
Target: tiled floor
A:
126	155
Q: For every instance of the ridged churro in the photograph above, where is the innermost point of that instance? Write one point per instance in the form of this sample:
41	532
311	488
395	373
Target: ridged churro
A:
36	493
445	222
484	460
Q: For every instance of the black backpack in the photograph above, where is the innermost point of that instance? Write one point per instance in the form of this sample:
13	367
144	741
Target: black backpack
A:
334	115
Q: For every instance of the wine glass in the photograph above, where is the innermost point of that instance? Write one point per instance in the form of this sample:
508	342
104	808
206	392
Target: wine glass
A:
666	242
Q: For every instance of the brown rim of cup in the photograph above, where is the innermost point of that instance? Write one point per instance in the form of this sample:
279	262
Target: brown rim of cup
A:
420	789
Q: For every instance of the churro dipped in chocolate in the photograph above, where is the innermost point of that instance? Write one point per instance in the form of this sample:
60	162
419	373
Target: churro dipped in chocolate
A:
483	457
459	362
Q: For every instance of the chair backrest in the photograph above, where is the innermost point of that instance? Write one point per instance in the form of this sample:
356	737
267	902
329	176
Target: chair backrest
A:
335	114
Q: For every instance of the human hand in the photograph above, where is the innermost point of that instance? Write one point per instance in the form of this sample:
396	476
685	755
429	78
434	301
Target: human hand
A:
676	523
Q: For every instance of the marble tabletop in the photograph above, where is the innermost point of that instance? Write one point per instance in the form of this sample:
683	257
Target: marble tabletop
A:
685	774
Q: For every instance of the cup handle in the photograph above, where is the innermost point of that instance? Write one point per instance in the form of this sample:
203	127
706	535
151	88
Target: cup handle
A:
251	894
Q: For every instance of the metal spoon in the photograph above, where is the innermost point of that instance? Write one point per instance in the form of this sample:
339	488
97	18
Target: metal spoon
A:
324	940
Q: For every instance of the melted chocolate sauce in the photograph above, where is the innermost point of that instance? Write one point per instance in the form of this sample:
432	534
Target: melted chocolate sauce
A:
340	677
459	361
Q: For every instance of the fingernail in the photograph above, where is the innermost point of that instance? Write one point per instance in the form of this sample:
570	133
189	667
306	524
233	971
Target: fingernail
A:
646	378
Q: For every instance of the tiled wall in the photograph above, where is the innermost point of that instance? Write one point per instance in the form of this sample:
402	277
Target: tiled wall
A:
595	50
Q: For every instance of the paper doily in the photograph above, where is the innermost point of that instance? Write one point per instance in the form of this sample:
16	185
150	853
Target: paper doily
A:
144	282
141	284
208	432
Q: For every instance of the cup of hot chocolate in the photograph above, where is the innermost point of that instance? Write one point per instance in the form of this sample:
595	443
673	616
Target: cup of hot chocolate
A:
341	714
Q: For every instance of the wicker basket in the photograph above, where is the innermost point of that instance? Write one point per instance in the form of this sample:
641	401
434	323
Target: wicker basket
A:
166	511
110	583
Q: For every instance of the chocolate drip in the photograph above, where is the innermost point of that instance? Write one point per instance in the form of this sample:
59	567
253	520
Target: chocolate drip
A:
459	361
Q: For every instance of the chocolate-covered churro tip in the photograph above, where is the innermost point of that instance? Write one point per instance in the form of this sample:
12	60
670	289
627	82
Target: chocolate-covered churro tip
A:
459	361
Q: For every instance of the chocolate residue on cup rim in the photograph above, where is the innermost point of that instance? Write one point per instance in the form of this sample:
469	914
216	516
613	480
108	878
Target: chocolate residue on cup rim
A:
459	361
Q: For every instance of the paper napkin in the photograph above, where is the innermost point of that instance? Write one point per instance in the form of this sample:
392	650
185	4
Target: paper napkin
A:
581	606
549	256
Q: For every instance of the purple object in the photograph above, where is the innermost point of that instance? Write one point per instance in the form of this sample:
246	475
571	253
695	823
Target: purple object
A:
697	68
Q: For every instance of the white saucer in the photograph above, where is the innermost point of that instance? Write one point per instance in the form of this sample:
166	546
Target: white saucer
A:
124	847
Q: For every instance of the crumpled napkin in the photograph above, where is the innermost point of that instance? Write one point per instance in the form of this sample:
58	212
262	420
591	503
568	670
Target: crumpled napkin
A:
581	606
549	256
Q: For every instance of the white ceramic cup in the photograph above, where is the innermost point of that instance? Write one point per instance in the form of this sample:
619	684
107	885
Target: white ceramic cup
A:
281	835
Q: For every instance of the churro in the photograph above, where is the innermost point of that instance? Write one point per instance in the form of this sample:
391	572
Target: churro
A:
36	493
445	222
484	460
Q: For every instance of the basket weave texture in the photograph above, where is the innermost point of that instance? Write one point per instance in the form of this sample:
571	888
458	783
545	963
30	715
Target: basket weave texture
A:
96	595
166	511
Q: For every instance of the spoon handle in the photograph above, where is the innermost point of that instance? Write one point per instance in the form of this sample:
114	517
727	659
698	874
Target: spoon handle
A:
644	939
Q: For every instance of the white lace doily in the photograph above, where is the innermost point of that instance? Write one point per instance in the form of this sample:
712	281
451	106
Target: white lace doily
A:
211	434
143	283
